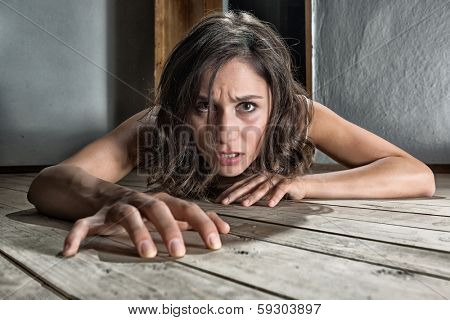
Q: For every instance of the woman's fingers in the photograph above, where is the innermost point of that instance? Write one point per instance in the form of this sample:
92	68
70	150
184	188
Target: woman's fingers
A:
235	185
80	230
178	206
198	219
208	225
222	226
234	193
160	215
77	234
169	216
202	223
258	193
183	225
278	193
130	218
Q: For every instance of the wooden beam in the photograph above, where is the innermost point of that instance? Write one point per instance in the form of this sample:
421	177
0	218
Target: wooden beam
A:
173	19
308	39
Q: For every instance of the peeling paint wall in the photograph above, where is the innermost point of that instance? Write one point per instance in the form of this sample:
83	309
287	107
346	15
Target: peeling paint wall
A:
385	65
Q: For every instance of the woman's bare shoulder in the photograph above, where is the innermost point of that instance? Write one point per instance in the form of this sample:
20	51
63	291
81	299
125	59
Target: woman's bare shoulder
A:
113	155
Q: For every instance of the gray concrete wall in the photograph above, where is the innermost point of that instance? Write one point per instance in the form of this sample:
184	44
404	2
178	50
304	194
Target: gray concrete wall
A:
385	65
63	69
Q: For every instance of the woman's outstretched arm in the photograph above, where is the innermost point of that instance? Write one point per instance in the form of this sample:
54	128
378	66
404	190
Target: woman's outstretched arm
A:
378	169
78	186
82	189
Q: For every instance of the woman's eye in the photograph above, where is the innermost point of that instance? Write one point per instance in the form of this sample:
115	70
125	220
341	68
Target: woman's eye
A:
247	107
202	107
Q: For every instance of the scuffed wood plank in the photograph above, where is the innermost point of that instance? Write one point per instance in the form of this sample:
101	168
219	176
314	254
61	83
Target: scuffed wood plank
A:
396	218
108	270
15	183
436	201
288	271
289	214
412	259
15	199
4	209
425	209
306	275
17	285
442	185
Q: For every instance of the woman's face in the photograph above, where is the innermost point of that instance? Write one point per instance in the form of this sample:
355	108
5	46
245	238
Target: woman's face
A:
242	105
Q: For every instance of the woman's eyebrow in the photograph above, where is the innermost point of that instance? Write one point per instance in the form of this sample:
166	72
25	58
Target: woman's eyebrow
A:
236	99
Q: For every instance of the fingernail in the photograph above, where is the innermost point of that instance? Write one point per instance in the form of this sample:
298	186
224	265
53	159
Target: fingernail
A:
66	251
271	203
66	247
214	241
176	248
246	202
146	249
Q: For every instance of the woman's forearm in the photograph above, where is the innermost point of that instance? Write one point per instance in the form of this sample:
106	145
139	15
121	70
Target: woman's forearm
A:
69	192
391	177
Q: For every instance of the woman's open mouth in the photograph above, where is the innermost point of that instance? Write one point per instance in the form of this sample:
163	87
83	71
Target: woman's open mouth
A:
229	159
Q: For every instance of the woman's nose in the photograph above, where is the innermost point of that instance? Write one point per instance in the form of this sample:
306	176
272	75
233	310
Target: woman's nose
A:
228	134
227	127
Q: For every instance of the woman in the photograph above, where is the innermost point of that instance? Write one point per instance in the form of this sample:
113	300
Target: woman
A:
228	111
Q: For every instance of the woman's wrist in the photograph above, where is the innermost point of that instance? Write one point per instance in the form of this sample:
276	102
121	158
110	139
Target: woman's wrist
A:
69	192
305	186
106	193
298	189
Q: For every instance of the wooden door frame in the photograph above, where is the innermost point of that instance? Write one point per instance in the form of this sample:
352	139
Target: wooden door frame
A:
174	18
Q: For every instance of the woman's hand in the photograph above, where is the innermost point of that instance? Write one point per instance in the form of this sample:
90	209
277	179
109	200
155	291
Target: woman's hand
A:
133	210
256	187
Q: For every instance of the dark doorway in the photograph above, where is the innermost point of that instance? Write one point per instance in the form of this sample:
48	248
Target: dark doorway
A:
288	18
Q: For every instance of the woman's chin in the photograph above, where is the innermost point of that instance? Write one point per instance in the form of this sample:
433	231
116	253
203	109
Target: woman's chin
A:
230	171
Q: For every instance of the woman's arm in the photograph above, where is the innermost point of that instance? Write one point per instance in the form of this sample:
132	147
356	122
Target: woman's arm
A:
378	169
80	185
69	192
83	188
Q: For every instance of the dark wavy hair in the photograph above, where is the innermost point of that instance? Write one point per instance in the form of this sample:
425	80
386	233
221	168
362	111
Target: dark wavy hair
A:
167	151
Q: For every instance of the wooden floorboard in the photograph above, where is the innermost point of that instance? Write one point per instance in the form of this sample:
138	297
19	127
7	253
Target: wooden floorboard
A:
396	218
105	269
386	206
15	199
304	274
315	249
15	284
418	260
240	261
319	221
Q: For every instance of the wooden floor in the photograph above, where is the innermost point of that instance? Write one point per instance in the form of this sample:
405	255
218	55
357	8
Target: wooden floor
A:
355	249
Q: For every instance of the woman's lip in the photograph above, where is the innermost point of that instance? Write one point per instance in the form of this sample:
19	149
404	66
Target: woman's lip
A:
220	152
224	161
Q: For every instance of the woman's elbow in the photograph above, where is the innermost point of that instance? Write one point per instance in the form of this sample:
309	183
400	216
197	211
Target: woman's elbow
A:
427	182
37	186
